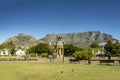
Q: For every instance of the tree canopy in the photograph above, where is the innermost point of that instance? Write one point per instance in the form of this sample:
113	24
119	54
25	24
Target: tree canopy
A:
83	54
112	47
9	46
69	49
40	48
94	45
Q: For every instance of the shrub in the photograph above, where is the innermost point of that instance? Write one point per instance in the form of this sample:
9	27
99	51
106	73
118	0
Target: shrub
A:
32	55
44	55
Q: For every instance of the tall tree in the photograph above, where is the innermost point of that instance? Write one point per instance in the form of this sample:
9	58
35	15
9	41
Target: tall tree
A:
112	47
69	49
10	46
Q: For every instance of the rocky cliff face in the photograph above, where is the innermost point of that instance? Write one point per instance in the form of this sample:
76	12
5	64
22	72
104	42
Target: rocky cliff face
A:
79	39
22	40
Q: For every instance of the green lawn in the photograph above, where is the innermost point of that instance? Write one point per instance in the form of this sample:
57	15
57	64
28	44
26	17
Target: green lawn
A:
57	71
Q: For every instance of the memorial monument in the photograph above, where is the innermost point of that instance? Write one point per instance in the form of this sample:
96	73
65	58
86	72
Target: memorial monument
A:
59	47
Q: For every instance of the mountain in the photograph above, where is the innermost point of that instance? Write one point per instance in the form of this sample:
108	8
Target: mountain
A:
78	39
81	39
22	40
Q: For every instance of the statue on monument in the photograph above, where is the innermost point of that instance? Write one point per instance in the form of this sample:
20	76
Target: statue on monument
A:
59	46
59	38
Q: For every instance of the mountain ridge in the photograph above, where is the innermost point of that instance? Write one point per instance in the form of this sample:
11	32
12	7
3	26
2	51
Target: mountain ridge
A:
80	39
22	40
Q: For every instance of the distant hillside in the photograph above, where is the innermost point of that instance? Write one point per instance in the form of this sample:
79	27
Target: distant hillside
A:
79	39
22	40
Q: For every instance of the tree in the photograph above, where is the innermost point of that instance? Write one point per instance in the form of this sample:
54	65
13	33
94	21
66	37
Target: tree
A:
116	48
85	54
109	47
31	50
1	47
40	48
69	49
112	48
10	46
94	45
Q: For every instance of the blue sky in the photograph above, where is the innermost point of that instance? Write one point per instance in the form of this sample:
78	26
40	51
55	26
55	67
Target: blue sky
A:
41	17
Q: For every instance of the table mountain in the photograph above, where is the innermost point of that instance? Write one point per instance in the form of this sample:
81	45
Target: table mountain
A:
78	39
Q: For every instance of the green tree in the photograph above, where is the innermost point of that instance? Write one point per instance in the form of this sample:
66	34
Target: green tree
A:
1	47
69	49
109	47
40	48
94	45
10	46
112	47
116	48
31	50
85	54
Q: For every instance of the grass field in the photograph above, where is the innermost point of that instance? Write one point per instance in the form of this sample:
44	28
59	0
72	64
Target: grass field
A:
57	71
